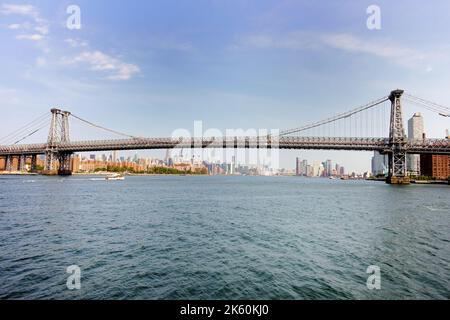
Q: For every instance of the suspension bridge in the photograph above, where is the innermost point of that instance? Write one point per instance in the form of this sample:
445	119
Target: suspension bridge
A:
376	126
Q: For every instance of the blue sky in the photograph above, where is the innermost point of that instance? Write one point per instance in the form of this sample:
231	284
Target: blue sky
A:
150	67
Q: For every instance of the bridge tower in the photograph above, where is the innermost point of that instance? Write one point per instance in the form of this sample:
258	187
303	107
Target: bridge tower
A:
397	142
57	162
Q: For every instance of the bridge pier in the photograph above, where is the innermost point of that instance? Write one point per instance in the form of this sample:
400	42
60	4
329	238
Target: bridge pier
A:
21	166
64	164
34	163
57	164
8	163
50	166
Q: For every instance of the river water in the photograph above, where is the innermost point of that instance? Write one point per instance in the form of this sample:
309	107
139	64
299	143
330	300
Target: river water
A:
201	237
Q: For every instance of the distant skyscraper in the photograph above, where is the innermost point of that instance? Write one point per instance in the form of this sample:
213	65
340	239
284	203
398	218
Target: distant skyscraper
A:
317	169
380	163
304	167
298	163
415	131
114	156
309	170
338	169
301	167
328	168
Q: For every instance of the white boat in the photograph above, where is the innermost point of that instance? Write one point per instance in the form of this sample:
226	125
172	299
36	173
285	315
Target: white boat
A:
115	177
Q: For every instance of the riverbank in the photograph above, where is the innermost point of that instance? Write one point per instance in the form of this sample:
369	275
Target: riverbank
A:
430	182
17	173
445	182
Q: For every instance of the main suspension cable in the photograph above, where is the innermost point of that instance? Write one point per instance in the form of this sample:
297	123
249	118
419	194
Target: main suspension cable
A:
443	113
103	128
30	134
36	122
335	118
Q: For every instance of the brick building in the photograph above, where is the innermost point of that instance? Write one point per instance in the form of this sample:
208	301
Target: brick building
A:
437	166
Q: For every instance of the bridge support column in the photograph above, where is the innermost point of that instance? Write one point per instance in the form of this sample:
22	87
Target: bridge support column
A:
64	164
34	163
22	163
8	163
51	165
397	169
398	142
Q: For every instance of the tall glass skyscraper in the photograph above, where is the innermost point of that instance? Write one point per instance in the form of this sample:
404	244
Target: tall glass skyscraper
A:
415	132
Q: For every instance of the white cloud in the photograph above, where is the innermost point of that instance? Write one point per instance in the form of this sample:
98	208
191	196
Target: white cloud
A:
15	26
400	55
75	43
42	29
294	41
19	9
39	24
100	61
32	37
41	62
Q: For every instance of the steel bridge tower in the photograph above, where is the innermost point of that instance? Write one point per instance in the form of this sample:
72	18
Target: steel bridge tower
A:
397	142
58	162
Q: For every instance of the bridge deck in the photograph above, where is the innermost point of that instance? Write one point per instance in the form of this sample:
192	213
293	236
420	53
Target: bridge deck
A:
435	146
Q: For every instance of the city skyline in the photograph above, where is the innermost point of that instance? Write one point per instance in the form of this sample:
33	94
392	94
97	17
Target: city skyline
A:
267	73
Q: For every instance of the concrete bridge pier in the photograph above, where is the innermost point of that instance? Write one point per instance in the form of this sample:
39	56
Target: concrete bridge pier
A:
21	166
57	163
64	160
34	163
8	163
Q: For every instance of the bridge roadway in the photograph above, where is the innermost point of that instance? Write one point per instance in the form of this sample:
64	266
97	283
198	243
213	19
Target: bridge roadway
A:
422	146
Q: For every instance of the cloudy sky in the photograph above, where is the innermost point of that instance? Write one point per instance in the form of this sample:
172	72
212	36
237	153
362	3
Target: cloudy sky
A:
150	67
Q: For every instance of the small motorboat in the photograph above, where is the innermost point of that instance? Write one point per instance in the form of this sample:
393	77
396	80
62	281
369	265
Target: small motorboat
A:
115	176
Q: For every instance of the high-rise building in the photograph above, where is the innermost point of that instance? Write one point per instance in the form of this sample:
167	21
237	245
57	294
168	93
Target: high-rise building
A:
337	169
380	163
328	168
309	170
114	156
301	167
415	132
317	169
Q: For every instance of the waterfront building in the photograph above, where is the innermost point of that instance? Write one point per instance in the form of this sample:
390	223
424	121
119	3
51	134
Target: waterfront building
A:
301	167
437	166
380	164
415	132
328	168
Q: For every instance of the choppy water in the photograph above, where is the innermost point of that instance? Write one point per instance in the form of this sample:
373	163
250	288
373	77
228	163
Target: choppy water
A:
198	237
